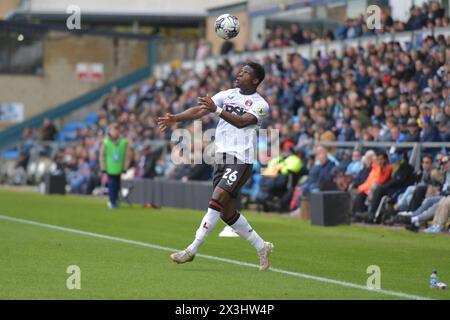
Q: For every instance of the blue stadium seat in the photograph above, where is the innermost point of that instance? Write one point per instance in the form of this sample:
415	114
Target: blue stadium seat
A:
91	118
60	137
70	126
10	155
68	131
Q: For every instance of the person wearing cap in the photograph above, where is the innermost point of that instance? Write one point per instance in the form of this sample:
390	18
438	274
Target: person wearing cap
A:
443	124
427	91
413	129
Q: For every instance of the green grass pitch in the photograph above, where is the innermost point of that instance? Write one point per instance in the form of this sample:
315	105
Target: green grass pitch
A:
34	259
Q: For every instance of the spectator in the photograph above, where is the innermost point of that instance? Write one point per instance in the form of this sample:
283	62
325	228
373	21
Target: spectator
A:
296	35
280	178
429	133
441	216
356	165
48	130
442	122
413	134
423	179
428	208
321	173
146	163
79	180
417	19
401	179
379	174
367	162
114	160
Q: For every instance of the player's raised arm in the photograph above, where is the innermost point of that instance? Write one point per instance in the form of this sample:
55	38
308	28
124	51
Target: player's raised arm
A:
243	121
169	119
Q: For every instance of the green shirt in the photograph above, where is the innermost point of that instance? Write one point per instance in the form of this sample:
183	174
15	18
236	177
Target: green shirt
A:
115	155
291	163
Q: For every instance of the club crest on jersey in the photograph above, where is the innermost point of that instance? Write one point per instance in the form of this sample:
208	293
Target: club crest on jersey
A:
261	111
248	103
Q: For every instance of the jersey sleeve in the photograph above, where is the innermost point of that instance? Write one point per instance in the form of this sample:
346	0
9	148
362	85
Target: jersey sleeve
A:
219	97
259	110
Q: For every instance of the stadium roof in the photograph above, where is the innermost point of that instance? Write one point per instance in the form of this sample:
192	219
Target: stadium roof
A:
160	12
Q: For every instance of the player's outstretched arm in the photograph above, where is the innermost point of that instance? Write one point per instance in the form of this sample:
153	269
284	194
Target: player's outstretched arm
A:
169	119
243	121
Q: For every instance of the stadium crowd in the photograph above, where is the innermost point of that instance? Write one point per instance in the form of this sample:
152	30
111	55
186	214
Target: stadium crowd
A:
429	15
387	92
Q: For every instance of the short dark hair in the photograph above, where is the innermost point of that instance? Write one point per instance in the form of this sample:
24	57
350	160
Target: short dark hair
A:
258	70
383	155
429	156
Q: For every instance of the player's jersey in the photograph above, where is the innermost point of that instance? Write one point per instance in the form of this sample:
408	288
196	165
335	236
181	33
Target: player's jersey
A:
240	143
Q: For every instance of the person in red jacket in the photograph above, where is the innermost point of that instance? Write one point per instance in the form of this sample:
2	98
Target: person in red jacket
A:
380	174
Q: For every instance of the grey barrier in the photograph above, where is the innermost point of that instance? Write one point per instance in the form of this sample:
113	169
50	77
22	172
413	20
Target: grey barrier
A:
169	193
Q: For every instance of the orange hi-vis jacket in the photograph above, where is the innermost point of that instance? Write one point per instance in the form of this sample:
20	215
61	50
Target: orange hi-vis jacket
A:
376	175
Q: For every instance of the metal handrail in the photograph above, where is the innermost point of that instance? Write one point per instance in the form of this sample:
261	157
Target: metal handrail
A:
416	152
372	144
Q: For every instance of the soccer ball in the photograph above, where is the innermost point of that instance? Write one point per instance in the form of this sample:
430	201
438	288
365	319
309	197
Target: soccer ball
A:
227	26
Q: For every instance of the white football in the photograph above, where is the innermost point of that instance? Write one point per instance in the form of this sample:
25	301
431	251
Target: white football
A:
227	26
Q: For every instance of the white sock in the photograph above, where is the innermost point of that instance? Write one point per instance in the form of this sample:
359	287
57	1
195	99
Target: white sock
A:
415	221
208	223
243	228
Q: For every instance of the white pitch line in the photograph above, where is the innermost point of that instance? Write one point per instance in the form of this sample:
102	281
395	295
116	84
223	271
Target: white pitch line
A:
240	263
